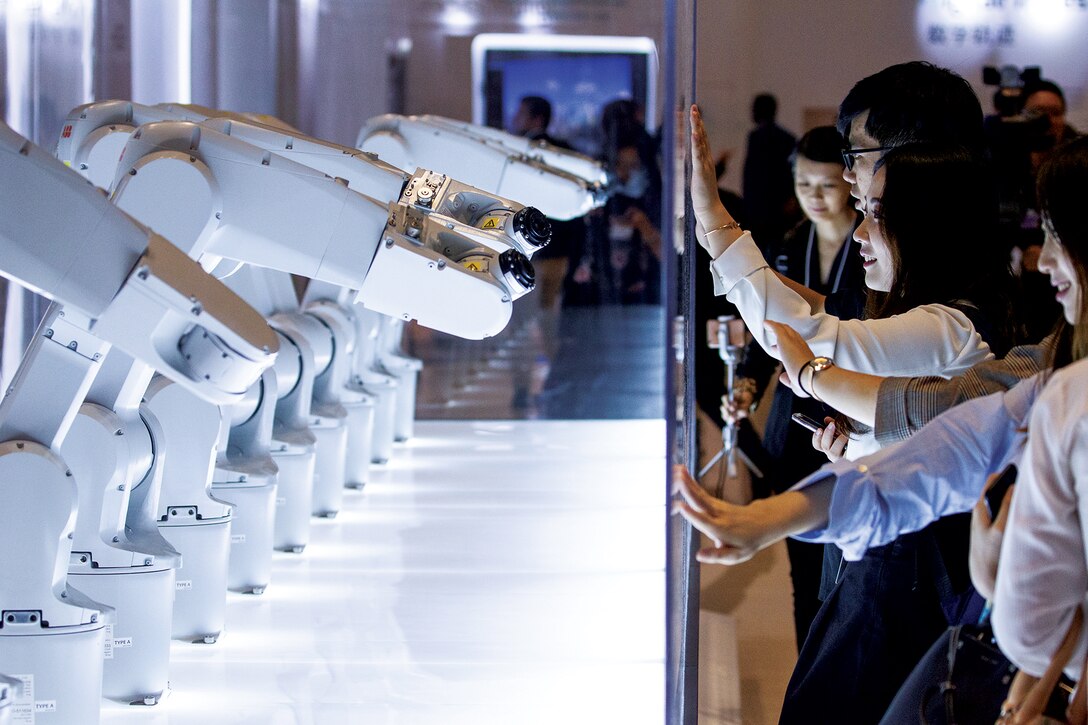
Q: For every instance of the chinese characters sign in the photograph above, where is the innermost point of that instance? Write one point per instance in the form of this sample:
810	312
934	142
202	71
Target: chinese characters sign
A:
963	33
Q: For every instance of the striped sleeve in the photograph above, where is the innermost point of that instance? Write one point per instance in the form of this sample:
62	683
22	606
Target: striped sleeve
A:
904	405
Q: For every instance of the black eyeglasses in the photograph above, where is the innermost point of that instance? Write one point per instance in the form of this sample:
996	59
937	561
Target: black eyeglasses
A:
849	156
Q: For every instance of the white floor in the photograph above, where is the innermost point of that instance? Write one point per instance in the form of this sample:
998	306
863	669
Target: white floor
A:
494	572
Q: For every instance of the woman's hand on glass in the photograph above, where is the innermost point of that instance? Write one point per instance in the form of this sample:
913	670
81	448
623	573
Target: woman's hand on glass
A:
736	532
986	536
705	202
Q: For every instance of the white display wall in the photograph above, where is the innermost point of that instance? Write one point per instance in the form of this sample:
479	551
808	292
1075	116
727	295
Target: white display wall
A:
810	54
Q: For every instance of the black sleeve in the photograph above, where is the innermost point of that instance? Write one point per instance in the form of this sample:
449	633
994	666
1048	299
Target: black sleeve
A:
846	304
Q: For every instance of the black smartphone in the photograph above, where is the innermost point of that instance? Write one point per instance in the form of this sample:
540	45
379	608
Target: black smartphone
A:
995	494
802	419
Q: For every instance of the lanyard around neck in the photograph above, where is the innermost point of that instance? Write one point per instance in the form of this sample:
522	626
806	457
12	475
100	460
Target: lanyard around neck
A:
808	260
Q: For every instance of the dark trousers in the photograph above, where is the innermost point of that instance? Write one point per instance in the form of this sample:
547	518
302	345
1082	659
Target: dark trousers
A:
806	563
870	632
921	695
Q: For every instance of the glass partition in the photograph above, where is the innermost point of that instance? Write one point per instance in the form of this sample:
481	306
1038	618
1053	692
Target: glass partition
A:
683	572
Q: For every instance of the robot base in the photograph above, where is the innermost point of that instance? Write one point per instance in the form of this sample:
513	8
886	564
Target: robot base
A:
405	369
385	414
332	439
294	502
64	672
252	522
405	415
360	425
138	655
200	607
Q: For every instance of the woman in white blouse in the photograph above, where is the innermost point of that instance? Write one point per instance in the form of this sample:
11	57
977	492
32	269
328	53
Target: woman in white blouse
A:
929	263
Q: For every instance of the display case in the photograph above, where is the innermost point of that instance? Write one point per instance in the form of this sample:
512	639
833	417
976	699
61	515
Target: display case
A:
514	559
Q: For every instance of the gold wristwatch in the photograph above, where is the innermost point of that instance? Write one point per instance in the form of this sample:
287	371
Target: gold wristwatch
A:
813	366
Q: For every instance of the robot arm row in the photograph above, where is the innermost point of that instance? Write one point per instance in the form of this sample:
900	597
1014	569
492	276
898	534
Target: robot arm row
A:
560	182
420	246
564	184
227	200
113	282
125	284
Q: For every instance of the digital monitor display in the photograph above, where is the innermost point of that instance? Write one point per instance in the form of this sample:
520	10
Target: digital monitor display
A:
579	75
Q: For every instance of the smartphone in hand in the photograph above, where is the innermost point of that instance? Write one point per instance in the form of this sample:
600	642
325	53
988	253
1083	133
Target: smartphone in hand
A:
807	422
995	494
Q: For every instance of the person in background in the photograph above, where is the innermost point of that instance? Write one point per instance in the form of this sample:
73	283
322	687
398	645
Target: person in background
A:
635	254
552	263
1045	98
532	119
1044	114
619	262
767	181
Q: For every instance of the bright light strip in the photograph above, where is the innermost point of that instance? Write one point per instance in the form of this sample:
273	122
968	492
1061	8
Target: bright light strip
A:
88	51
185	51
19	26
532	17
457	18
1049	19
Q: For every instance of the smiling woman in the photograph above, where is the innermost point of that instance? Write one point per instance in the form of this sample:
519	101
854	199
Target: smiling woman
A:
929	280
934	209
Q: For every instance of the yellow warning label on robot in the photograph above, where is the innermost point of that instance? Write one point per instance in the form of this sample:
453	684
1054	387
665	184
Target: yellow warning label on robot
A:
493	222
476	265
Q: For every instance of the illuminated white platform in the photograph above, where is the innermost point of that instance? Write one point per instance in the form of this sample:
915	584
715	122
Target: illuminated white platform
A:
494	572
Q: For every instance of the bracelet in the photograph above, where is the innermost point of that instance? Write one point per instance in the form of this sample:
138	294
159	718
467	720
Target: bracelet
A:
731	225
801	379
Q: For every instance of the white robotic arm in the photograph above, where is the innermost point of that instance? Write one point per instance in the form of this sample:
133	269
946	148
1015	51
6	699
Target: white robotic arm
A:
95	134
62	238
467	228
563	184
492	220
113	281
234	201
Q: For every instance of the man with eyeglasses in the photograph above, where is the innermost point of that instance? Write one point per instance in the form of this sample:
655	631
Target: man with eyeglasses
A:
880	613
907	103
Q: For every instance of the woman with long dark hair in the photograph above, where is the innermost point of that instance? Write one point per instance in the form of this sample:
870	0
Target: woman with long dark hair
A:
935	288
